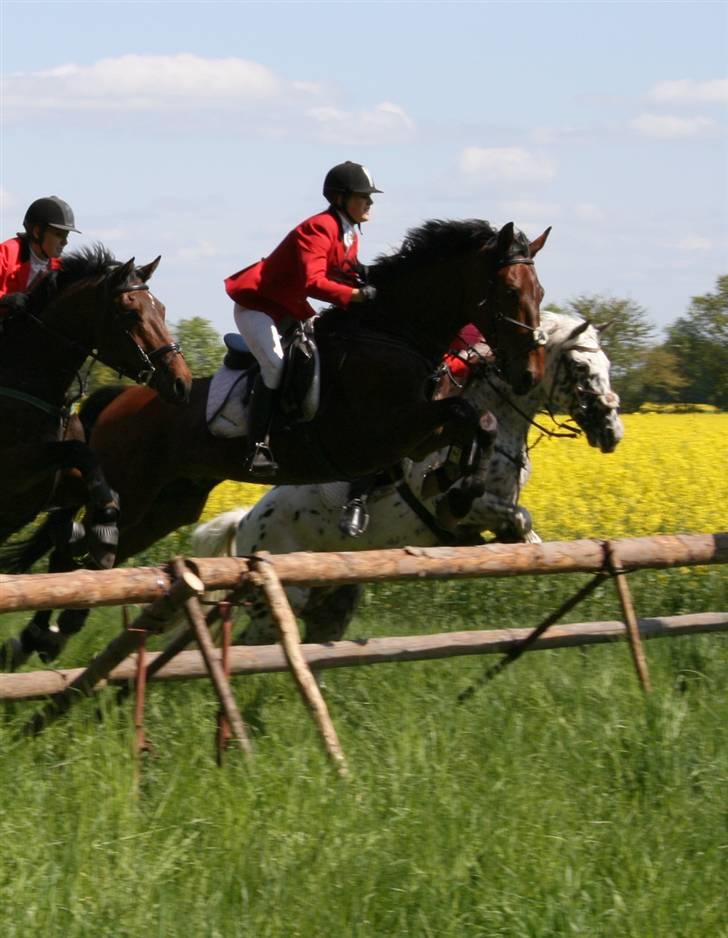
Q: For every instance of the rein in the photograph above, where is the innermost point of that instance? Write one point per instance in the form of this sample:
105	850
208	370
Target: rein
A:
405	492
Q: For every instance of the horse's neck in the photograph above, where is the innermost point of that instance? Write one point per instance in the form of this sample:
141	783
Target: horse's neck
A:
424	310
36	360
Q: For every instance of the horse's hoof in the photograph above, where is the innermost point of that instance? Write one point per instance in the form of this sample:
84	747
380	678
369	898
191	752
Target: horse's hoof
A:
53	647
48	643
12	655
103	540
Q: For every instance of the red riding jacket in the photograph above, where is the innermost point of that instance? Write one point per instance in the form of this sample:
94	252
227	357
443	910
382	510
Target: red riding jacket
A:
15	267
468	335
304	264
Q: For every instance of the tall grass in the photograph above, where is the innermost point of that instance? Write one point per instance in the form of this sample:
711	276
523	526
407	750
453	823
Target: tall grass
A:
557	801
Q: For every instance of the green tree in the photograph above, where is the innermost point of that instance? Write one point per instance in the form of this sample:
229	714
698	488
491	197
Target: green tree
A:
662	379
202	347
628	342
699	342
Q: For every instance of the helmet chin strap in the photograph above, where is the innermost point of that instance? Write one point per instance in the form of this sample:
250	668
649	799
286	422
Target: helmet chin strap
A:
344	198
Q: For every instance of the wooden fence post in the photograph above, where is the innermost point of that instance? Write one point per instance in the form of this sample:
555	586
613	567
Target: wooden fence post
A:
154	618
209	653
630	618
287	626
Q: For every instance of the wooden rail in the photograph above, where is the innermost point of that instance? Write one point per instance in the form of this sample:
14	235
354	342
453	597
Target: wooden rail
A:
86	588
271	658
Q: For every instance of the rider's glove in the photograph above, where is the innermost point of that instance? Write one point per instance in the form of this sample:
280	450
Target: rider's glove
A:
368	293
13	303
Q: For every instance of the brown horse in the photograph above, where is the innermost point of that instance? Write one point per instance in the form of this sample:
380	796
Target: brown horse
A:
93	307
375	406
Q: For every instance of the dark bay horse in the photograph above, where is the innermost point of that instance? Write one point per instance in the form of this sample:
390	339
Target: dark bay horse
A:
93	307
376	367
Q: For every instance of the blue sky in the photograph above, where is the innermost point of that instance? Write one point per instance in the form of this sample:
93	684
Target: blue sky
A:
202	132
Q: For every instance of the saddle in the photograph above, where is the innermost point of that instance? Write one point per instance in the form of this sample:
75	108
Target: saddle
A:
229	397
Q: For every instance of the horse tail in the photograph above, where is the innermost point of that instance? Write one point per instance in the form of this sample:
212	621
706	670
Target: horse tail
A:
97	401
20	556
216	538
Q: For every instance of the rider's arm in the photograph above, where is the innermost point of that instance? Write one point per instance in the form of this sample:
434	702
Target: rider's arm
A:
314	241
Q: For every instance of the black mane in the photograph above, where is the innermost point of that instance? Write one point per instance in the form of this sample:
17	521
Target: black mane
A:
87	263
434	241
94	261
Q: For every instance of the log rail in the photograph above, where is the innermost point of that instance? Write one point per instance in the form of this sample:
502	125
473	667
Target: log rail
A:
88	588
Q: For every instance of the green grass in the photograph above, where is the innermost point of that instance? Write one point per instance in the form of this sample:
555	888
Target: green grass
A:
558	801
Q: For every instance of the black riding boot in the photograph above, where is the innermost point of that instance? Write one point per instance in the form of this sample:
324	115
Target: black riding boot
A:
259	458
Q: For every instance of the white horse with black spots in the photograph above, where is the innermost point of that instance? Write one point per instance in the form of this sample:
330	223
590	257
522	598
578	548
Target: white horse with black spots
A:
306	517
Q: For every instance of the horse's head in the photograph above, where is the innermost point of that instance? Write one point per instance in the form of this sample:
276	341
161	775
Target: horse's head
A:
578	373
133	335
511	319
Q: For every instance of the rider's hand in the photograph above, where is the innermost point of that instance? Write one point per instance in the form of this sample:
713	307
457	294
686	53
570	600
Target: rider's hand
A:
364	294
13	303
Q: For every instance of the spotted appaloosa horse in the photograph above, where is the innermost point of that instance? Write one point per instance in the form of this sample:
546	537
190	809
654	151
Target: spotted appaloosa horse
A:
306	517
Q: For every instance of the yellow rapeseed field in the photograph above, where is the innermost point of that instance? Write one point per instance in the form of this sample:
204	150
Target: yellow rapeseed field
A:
668	475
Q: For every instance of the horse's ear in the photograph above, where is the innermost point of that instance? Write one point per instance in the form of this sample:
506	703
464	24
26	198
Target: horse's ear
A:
578	329
119	276
603	326
505	239
535	246
145	272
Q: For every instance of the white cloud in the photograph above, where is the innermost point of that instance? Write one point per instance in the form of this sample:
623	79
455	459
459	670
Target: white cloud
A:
383	122
688	91
694	243
196	251
169	84
7	199
144	82
108	234
524	208
669	127
498	164
588	211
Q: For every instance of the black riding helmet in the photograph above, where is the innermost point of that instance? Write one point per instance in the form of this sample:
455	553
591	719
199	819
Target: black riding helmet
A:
346	178
50	211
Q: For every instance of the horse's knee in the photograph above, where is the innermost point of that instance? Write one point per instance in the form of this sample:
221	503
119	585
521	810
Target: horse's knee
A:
487	430
328	612
71	621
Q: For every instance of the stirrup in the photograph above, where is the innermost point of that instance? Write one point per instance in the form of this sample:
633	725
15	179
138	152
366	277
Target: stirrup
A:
261	461
354	518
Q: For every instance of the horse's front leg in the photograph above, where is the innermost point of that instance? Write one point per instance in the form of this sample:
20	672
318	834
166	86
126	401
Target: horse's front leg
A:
473	436
102	517
39	635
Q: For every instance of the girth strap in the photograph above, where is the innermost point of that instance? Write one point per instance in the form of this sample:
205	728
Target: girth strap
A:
34	401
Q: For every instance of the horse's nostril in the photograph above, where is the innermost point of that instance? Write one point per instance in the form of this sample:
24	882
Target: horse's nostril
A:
181	391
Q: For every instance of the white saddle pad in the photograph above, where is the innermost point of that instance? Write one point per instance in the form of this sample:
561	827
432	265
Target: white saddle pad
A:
225	413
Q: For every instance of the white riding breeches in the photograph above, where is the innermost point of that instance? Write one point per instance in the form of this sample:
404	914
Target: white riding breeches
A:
264	341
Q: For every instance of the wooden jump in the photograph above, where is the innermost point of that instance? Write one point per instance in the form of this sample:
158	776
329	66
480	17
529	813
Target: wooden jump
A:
264	659
87	588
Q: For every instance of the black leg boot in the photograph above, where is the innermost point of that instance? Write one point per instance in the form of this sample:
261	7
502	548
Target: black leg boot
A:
259	458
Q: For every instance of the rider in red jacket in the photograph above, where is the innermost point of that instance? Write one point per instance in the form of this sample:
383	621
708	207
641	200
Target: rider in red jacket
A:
317	259
47	224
